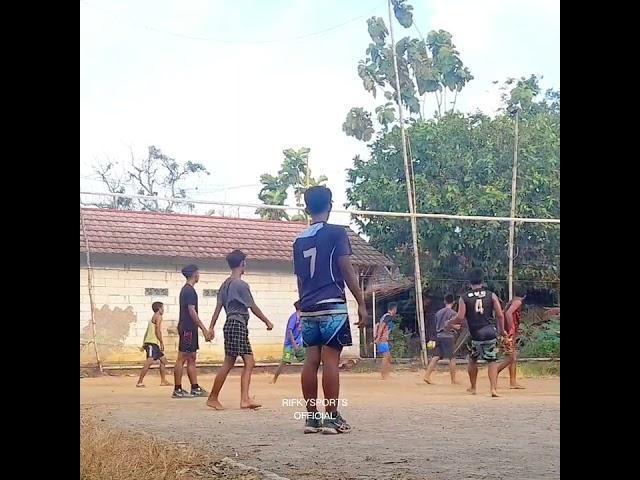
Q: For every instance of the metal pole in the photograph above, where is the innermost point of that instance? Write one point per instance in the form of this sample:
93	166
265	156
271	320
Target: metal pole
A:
512	224
414	223
90	287
373	307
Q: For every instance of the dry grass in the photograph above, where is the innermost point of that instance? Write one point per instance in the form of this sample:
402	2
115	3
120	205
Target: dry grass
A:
109	454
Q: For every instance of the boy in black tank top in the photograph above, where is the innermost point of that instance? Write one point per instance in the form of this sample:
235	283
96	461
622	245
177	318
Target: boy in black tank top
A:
479	306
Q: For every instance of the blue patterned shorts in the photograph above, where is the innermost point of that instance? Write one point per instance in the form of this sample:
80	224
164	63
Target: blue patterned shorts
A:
330	330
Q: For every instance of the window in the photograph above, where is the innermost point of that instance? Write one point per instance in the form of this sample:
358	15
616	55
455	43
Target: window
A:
156	292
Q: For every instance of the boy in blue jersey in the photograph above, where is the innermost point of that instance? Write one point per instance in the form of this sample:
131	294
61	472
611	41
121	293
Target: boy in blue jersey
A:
292	342
321	257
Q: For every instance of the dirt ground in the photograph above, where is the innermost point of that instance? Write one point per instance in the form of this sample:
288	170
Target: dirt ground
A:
402	427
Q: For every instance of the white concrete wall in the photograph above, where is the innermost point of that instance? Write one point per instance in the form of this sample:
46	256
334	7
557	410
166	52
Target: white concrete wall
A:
123	310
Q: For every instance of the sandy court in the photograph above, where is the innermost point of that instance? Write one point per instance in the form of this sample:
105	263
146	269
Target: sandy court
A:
402	428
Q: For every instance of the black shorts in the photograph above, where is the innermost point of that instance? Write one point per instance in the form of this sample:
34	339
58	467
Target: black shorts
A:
236	337
188	341
153	351
444	347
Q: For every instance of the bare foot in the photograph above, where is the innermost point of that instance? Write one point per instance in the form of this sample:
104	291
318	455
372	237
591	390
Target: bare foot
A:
428	380
273	381
494	394
165	384
516	387
250	404
472	391
215	404
140	385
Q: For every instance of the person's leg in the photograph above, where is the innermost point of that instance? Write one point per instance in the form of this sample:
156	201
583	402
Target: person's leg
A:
507	362
493	378
278	372
452	370
221	376
309	377
144	371
245	380
513	373
330	378
472	369
192	371
177	371
489	353
386	365
430	368
163	371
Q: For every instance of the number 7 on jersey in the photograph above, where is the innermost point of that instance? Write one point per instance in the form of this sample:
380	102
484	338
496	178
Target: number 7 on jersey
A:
311	253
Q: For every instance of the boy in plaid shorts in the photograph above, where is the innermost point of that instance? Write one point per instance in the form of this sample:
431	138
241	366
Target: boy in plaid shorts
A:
235	296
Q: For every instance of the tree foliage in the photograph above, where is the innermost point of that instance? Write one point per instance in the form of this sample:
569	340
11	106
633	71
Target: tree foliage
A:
424	67
462	165
291	176
156	175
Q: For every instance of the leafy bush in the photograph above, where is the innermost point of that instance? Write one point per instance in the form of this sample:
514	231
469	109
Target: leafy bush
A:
541	340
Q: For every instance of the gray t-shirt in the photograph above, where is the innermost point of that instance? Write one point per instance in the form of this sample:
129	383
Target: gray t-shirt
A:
235	296
442	317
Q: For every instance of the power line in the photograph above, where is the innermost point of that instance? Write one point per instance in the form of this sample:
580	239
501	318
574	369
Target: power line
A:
236	42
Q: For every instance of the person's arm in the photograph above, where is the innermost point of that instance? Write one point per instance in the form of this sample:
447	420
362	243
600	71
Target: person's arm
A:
157	321
197	321
459	318
214	319
508	314
497	308
258	313
239	290
294	344
351	279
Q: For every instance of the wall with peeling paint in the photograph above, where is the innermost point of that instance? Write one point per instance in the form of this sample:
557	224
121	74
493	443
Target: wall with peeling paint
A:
122	310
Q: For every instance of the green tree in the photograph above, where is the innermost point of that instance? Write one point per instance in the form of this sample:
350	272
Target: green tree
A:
462	165
293	174
424	66
156	175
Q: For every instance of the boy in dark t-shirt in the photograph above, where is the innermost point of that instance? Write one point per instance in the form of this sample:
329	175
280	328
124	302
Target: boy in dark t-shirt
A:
188	324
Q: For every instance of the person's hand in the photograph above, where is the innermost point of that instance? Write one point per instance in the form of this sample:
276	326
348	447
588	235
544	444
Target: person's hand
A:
362	316
269	325
211	335
162	347
142	348
296	347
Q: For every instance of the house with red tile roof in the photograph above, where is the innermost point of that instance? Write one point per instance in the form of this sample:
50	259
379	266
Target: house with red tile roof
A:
136	258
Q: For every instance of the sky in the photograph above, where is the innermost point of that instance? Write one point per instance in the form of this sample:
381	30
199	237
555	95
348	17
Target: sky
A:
231	84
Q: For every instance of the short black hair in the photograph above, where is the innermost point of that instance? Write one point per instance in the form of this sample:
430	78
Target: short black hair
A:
296	304
449	298
317	199
476	276
392	305
235	258
155	306
189	271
